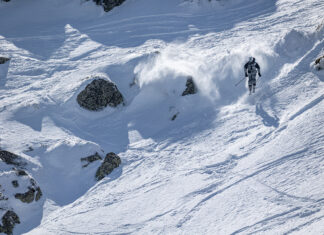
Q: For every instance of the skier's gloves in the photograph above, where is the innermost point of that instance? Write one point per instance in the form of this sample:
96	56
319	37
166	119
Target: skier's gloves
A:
259	74
246	75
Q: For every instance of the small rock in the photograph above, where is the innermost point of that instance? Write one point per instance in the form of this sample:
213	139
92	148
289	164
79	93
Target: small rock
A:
99	94
15	183
30	149
3	60
190	87
26	197
9	220
2	197
33	182
20	172
319	63
111	162
90	159
174	116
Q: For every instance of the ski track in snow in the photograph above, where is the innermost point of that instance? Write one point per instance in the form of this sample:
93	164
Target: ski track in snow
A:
228	164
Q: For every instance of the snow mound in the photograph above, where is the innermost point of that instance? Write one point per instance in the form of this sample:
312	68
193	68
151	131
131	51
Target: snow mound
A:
296	43
61	174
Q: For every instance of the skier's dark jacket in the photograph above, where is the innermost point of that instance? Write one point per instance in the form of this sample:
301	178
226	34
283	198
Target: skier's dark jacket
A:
251	68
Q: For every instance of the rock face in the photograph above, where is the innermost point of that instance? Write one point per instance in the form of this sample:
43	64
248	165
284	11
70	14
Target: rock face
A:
9	220
99	94
190	87
111	162
319	63
4	59
92	158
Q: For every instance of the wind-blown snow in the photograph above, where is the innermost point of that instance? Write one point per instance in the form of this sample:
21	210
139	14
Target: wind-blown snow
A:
228	164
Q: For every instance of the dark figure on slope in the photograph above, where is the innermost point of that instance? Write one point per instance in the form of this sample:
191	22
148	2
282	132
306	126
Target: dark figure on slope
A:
251	69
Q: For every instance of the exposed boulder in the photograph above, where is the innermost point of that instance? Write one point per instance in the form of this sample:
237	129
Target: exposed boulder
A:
111	162
99	94
89	159
319	63
9	220
3	60
190	87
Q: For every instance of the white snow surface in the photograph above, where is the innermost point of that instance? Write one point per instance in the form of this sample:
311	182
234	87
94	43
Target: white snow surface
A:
229	163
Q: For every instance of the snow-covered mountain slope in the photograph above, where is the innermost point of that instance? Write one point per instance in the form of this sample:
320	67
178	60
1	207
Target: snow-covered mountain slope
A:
228	164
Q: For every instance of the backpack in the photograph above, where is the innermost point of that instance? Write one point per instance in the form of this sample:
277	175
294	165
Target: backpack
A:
252	68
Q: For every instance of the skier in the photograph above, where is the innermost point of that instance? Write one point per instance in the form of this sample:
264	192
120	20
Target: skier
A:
251	68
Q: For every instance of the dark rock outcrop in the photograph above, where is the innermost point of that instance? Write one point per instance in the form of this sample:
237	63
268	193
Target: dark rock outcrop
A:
30	195
39	194
11	159
3	60
111	162
89	159
20	178
190	87
99	94
319	63
26	197
20	172
9	220
109	4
